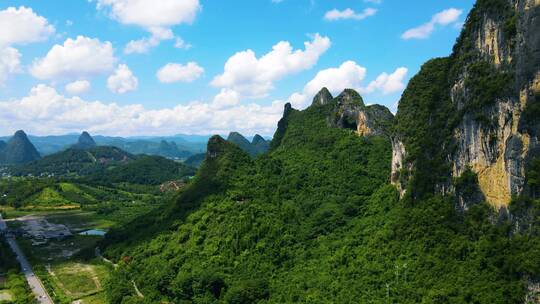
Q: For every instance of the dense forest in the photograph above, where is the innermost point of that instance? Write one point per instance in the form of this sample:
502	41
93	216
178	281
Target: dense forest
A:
313	222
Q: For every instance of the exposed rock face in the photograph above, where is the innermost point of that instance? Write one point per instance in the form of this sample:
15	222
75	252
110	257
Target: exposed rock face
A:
216	146
85	142
398	163
322	98
491	136
19	150
350	112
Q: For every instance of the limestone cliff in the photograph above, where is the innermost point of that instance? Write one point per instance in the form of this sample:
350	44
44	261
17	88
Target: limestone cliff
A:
490	94
348	111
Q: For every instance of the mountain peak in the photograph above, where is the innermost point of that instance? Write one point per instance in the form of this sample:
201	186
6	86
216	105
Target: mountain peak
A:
350	97
323	97
85	142
19	150
257	139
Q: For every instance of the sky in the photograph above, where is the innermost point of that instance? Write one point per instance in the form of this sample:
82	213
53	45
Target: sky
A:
165	67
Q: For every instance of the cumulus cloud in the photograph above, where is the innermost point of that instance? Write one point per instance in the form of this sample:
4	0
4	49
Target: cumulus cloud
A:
442	18
77	59
21	26
348	13
388	83
10	62
122	80
143	45
175	72
254	77
44	111
226	98
347	75
78	87
156	17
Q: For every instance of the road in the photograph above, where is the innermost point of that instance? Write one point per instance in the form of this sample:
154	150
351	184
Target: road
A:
33	281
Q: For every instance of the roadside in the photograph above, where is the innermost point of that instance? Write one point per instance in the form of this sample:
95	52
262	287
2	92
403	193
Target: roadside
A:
34	282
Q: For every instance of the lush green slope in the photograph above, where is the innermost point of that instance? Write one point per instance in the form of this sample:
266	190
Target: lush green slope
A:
144	170
46	193
315	221
75	162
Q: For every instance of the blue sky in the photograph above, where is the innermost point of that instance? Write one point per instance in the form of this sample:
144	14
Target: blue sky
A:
119	92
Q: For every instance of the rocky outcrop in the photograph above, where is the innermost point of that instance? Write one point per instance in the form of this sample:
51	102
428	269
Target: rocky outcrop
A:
216	147
495	74
350	112
398	166
322	98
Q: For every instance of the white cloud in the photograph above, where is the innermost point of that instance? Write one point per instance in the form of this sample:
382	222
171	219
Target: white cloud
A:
44	111
21	26
143	45
78	87
181	44
254	77
156	17
77	58
122	80
10	62
348	13
347	75
388	83
175	72
442	18
226	98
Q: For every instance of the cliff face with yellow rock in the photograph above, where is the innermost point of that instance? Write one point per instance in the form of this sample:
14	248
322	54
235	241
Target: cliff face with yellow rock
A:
482	106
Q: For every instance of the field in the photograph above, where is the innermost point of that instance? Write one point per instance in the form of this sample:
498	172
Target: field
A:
67	265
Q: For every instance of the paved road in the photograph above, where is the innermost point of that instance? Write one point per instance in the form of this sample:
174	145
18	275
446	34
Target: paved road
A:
33	281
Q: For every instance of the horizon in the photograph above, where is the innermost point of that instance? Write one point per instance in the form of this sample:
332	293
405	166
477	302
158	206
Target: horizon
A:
120	68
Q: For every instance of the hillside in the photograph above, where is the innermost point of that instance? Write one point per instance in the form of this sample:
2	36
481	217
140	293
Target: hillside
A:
144	170
317	220
74	162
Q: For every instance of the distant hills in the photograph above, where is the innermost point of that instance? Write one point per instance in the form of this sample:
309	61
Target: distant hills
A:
18	150
257	146
183	146
106	165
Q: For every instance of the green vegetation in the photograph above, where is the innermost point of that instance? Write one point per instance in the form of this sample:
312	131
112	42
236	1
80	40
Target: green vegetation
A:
47	193
74	162
145	170
12	282
314	222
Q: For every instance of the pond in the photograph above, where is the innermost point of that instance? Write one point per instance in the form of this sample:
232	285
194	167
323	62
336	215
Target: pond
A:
97	232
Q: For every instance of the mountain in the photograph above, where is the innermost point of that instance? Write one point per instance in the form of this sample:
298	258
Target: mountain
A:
2	145
85	142
353	205
475	113
18	150
186	144
258	145
75	162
